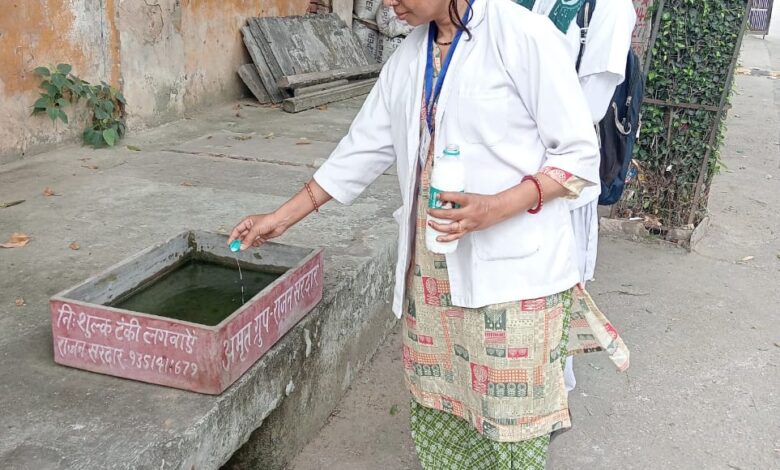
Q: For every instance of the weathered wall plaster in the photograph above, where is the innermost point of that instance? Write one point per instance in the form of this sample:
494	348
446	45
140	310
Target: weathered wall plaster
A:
168	56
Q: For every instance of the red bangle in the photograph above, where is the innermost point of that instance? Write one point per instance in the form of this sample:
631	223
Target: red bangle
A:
535	180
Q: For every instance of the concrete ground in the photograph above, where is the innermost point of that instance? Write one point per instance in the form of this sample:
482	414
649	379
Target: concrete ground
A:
702	390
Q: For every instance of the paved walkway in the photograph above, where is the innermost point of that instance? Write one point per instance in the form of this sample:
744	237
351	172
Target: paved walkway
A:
702	391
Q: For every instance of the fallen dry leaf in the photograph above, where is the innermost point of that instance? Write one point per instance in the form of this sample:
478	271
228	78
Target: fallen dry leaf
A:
49	192
20	302
134	148
242	137
303	142
269	136
74	246
90	167
186	183
323	108
17	240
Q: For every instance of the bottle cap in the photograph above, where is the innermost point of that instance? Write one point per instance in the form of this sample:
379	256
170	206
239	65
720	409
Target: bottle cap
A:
452	151
235	246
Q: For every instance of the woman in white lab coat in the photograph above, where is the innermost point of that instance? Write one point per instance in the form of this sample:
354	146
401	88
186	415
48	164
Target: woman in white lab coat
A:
486	328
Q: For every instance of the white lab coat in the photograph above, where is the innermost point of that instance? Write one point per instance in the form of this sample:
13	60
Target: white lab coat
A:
512	102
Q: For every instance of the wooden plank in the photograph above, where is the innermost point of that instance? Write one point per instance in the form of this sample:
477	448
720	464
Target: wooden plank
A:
250	77
269	82
305	44
315	78
321	87
302	103
265	48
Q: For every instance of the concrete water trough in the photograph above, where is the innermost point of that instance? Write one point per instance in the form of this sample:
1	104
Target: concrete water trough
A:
192	329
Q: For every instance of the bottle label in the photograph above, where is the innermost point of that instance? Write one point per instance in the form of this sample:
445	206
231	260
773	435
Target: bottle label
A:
435	203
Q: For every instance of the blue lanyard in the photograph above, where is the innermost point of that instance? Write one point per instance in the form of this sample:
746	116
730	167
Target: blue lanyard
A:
431	95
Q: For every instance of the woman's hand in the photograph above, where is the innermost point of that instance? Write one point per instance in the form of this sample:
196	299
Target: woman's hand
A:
476	212
255	230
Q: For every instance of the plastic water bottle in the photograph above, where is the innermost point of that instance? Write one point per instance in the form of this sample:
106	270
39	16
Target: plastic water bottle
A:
448	175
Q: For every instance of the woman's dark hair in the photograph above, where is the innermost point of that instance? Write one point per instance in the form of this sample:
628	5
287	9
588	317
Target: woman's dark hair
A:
456	19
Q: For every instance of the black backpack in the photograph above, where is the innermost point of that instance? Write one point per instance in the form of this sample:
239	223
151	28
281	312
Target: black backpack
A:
619	129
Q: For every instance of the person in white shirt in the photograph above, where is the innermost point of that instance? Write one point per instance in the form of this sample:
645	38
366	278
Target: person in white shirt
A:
486	328
602	69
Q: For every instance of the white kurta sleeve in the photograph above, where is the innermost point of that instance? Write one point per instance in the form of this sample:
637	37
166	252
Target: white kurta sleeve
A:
603	63
598	90
364	153
541	70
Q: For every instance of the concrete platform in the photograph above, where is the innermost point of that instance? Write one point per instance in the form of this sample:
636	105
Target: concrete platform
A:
116	202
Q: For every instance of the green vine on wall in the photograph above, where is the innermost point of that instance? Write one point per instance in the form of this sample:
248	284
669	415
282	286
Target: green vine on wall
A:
696	43
105	104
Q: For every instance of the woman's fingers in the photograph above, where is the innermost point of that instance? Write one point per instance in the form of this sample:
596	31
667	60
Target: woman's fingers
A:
240	230
448	214
461	199
255	230
450	237
454	227
254	236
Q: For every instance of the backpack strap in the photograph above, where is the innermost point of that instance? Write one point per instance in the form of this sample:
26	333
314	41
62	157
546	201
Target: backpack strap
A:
583	21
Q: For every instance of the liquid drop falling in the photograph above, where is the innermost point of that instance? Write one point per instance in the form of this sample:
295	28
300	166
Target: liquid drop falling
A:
235	247
241	278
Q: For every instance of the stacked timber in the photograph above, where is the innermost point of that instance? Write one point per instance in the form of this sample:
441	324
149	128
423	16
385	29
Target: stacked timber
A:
303	62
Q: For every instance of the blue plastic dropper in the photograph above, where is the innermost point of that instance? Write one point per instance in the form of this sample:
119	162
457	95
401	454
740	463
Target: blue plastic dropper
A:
235	246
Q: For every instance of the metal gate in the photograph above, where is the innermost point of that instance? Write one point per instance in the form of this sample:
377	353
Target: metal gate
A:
760	16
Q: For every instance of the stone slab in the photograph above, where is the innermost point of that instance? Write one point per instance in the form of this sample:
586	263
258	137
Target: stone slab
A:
317	88
305	102
251	78
261	66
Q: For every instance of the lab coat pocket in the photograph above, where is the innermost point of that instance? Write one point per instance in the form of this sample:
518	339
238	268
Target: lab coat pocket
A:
482	117
518	237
